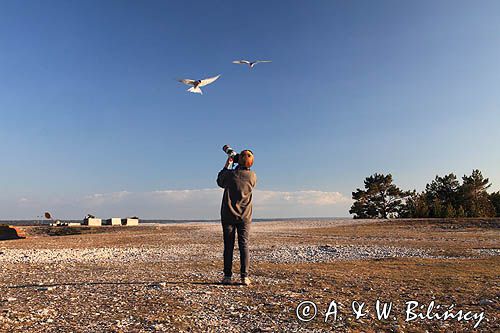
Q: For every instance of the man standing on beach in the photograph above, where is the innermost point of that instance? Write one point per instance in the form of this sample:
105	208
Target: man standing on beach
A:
236	212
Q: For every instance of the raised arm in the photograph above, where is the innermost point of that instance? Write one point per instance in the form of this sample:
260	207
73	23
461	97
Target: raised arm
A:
222	176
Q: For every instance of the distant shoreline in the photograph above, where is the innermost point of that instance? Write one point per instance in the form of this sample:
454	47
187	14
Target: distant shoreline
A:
170	221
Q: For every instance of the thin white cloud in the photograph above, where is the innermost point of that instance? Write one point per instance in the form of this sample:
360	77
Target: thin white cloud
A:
105	198
315	198
182	204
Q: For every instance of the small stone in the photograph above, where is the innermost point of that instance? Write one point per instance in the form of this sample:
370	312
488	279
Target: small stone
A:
485	301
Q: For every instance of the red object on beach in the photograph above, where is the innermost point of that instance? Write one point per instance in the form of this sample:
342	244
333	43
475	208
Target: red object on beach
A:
10	232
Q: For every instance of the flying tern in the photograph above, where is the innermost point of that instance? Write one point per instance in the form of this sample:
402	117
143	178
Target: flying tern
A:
196	84
249	63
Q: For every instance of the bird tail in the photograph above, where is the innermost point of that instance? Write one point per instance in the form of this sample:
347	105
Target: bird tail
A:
195	90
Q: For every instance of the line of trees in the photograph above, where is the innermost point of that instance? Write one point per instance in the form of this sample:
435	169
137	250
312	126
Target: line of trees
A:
443	197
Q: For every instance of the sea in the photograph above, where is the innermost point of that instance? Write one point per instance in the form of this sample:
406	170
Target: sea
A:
162	221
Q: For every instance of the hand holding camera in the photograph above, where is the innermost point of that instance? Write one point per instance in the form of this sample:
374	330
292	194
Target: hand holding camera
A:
232	156
229	163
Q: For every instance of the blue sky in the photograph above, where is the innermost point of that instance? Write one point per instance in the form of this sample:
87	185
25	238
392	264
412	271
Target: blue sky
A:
93	120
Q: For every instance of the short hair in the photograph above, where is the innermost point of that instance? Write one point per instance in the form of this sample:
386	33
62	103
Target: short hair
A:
247	165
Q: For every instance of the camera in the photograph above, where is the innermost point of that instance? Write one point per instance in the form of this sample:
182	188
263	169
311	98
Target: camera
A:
231	153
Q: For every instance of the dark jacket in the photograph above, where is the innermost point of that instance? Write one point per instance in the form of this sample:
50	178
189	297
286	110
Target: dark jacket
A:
237	199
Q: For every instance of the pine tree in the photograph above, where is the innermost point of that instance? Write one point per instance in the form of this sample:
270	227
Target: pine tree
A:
473	195
380	199
495	201
440	193
444	197
450	211
437	209
415	206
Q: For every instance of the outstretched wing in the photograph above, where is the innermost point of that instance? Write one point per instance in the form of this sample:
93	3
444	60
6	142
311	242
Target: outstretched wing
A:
204	82
259	61
241	62
189	82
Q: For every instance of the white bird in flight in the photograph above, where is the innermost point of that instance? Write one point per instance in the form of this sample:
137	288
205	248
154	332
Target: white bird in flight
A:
196	84
249	63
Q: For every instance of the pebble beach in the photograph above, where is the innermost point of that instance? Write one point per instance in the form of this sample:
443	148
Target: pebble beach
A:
165	278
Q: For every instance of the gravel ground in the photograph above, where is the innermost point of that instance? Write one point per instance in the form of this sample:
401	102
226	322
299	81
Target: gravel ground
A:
283	254
166	278
104	255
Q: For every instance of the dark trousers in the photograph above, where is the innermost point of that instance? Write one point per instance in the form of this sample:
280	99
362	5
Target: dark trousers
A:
229	231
